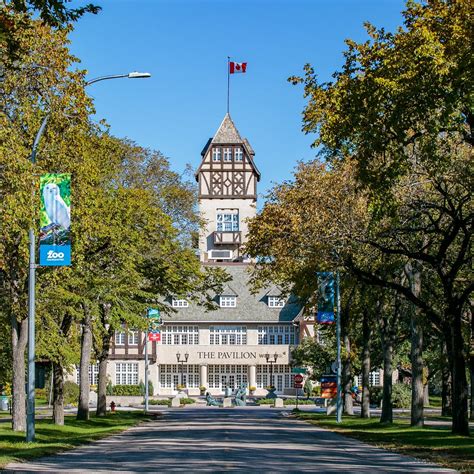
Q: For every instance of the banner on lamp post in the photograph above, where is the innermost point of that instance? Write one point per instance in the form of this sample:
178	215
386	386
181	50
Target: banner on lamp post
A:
325	313
55	220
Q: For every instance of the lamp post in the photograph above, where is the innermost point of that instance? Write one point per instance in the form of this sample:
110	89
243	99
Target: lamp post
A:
271	362
30	415
181	363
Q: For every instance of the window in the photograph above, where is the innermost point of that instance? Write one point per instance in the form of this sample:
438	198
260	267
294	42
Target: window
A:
275	302
93	374
228	335
227	154
221	376
227	221
216	154
278	334
170	375
179	335
281	376
374	378
238	154
228	301
133	338
120	338
179	303
126	373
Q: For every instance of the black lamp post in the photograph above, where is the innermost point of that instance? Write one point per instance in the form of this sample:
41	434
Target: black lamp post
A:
271	362
181	363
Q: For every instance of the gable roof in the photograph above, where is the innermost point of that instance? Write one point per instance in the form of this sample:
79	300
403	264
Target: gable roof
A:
227	134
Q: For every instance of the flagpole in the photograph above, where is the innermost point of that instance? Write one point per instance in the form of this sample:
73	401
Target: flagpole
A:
228	82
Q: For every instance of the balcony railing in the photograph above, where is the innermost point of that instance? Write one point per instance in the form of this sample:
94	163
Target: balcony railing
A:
227	238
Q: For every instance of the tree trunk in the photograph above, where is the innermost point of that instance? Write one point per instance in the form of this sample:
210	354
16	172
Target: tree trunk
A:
58	394
471	364
19	340
347	378
416	355
459	382
86	347
446	393
417	390
426	394
103	358
366	335
387	406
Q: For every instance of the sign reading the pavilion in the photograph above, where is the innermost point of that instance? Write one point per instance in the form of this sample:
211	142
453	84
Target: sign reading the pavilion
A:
223	355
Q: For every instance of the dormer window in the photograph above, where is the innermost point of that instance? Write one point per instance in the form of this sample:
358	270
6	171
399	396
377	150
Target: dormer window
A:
216	154
228	301
275	302
238	154
179	303
227	154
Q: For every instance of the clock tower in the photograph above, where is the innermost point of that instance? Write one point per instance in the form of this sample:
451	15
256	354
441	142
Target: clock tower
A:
227	185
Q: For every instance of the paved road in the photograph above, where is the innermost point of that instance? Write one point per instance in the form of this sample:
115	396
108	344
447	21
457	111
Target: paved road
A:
222	440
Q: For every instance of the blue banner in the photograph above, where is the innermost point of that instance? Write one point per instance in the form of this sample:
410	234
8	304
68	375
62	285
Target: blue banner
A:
55	255
325	313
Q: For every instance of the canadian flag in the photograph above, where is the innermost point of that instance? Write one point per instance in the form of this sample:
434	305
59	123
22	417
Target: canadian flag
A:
237	67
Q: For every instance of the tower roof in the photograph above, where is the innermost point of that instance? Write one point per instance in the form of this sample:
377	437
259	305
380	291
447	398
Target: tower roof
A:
227	134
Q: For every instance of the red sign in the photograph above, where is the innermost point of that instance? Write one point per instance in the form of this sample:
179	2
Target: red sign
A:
298	378
297	385
154	336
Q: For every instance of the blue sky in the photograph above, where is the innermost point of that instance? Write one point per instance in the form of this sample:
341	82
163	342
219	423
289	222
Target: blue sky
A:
184	44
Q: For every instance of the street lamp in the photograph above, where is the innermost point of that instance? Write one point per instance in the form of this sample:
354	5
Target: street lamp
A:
181	363
30	415
271	362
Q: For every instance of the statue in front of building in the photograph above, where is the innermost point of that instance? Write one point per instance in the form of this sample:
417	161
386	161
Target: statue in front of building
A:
241	396
211	401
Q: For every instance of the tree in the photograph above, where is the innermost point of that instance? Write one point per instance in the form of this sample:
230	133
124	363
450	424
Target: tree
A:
401	108
39	81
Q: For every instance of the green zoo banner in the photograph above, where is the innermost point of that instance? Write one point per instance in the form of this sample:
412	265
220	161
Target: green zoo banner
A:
55	219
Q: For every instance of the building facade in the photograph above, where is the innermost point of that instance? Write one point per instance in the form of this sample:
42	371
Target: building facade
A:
249	337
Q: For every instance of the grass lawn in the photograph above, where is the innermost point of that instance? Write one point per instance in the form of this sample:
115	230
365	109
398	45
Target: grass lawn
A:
51	438
435	444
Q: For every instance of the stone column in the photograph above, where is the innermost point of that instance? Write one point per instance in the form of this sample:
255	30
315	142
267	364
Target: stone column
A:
252	376
203	375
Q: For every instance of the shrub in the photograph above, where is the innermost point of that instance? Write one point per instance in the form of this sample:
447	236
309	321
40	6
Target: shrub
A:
265	401
126	390
150	388
188	401
317	390
375	395
292	401
71	393
401	395
165	401
109	389
40	393
252	388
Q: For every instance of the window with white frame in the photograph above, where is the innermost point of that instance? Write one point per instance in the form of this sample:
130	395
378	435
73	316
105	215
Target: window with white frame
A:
216	154
227	154
126	373
228	301
179	335
93	374
280	375
238	154
227	221
374	378
133	338
277	334
275	302
120	338
179	303
232	335
171	375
